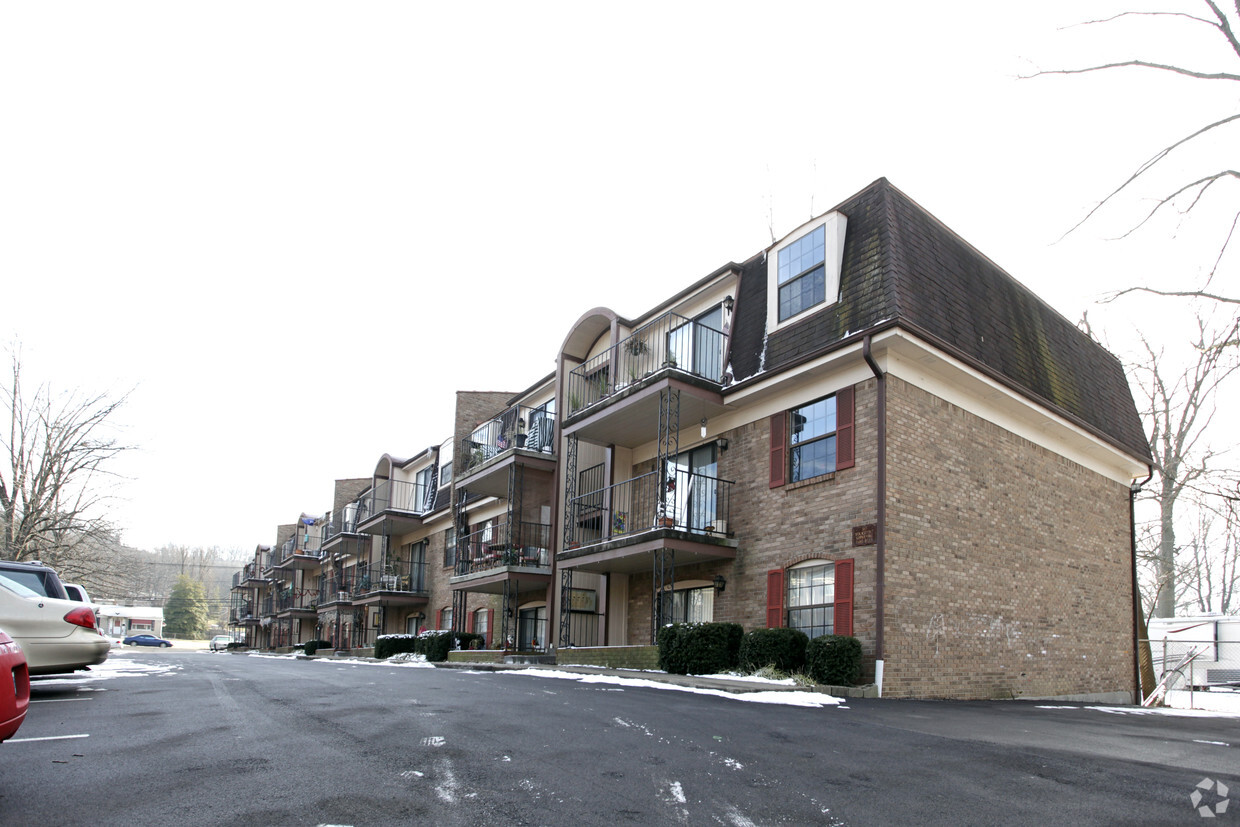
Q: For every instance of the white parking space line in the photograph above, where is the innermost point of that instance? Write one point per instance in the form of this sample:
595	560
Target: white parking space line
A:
47	738
58	700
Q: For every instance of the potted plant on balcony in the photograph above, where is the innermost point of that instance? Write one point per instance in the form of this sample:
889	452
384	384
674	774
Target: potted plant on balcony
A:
520	433
636	346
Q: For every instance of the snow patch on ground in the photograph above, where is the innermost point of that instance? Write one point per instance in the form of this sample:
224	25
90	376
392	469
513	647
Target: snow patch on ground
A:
1156	710
116	666
735	676
806	699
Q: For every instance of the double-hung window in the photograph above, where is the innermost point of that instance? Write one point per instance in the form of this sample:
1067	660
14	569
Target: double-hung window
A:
811	599
802	274
449	547
811	440
814	439
815	596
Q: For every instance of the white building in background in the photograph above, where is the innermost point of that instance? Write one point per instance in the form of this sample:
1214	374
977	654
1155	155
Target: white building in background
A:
119	621
1204	649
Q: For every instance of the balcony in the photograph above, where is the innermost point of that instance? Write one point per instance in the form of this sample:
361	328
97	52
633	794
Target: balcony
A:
614	397
519	434
301	551
342	527
399	583
236	580
615	527
336	591
269	606
394	507
503	552
291	602
251	575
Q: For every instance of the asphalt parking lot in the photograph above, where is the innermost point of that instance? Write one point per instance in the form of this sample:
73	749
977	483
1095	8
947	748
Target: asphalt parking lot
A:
197	737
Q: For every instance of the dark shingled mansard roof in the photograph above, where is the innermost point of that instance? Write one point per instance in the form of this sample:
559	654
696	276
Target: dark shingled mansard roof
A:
901	265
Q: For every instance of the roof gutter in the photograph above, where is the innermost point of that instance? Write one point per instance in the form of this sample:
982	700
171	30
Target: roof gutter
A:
880	533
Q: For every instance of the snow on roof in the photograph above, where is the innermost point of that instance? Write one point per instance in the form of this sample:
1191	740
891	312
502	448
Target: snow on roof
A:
139	612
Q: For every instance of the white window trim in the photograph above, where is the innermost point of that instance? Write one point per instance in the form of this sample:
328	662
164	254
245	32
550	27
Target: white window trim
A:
836	224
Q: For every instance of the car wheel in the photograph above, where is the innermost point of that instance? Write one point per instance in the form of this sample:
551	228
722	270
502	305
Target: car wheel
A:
164	645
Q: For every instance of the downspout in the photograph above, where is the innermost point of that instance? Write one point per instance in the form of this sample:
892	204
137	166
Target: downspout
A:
880	533
557	505
1142	661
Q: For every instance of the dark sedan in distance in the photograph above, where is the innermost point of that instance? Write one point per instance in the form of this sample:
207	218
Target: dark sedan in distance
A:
146	640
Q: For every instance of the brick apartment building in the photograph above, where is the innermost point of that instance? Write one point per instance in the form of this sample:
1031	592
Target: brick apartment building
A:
868	428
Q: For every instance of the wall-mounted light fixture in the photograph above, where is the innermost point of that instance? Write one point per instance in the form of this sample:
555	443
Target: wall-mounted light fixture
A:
729	303
719	582
722	442
703	427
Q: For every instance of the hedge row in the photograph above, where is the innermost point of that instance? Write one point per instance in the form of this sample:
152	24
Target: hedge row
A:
699	648
709	648
434	645
313	646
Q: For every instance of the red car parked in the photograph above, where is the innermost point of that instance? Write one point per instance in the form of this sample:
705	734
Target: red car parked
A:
14	693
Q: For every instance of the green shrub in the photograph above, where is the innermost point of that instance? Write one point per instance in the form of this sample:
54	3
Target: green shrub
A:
236	644
668	641
783	649
388	645
699	648
834	660
312	646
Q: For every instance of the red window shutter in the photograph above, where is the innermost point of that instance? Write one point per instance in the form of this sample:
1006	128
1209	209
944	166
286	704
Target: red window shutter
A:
844	597
439	619
469	622
775	598
490	625
845	456
779	450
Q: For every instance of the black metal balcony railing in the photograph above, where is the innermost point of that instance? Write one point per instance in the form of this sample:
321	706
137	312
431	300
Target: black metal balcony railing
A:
303	542
236	579
346	521
400	576
521	426
671	341
290	598
396	495
504	544
269	605
680	500
336	589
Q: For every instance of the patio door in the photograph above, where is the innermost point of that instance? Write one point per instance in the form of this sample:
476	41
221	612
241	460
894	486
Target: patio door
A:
697	346
532	628
693	498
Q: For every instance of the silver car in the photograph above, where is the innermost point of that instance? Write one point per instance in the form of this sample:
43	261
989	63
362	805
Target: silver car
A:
56	635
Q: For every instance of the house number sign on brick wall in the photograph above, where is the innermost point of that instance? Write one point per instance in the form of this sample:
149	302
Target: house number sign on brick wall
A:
865	535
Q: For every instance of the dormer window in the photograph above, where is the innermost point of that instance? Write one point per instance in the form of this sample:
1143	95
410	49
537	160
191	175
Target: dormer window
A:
803	271
802	278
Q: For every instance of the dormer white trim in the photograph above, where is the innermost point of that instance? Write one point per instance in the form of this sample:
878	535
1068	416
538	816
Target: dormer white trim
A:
834	225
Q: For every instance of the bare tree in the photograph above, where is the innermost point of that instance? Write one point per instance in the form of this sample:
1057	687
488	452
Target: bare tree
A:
1178	412
1210	569
56	481
1186	195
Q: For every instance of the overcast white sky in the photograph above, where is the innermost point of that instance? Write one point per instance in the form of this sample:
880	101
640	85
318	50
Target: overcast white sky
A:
295	229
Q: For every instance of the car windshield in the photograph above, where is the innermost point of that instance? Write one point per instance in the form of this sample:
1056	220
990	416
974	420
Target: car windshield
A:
17	588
